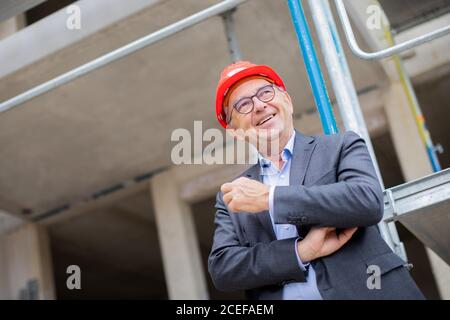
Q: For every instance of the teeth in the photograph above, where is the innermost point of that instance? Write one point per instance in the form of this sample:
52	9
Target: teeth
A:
265	119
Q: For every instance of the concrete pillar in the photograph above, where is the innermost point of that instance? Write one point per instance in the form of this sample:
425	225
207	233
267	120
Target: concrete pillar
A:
441	272
11	26
7	223
25	264
413	161
183	268
405	136
4	285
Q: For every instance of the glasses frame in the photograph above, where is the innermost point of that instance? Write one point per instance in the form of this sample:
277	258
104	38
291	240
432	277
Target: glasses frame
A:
228	120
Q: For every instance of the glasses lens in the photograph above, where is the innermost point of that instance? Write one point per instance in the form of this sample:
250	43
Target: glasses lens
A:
244	105
266	94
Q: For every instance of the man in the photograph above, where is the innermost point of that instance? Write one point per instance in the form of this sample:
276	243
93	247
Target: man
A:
300	224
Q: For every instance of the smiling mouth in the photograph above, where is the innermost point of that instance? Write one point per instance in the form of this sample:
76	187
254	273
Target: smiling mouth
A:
266	119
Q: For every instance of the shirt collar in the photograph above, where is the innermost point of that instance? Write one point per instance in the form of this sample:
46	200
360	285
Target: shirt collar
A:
285	155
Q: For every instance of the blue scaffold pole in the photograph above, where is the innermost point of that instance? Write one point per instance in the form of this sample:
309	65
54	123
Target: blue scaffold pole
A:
312	67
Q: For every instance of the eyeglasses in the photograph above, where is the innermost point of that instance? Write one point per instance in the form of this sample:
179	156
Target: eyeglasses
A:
246	105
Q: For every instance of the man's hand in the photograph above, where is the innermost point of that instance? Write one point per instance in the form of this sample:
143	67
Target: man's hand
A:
320	242
246	195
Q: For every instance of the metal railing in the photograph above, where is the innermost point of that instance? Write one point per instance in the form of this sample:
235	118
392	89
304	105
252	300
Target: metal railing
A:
121	52
349	35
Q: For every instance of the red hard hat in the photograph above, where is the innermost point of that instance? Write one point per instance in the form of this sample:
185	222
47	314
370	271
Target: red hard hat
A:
235	72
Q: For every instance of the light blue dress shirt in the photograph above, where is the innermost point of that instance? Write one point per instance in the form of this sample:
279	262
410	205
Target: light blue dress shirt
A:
272	176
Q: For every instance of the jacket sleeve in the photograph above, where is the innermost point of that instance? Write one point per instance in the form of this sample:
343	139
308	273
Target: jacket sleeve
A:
234	266
355	200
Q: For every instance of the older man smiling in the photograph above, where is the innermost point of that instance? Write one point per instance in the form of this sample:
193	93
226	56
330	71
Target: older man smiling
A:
300	224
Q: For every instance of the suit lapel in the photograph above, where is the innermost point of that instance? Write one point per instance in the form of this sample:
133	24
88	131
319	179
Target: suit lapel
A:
303	149
262	217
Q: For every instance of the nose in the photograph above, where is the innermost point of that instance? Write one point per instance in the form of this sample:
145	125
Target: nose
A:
258	105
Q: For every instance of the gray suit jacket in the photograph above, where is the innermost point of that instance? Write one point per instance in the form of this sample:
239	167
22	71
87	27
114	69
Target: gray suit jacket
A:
332	183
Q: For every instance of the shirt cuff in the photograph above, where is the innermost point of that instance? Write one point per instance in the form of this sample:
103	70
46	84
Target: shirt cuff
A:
271	192
302	265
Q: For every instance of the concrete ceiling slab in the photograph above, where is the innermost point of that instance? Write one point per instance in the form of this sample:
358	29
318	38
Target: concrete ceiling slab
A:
11	8
115	123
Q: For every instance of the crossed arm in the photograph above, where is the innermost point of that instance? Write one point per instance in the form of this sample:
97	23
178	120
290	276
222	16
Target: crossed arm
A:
354	201
235	267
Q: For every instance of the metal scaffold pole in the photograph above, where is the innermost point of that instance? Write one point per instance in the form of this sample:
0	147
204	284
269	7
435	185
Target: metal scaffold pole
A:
347	98
312	67
230	32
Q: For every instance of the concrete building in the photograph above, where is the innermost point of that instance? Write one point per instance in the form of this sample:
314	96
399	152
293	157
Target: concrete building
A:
86	173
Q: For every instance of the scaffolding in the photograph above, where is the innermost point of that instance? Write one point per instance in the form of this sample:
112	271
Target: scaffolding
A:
421	205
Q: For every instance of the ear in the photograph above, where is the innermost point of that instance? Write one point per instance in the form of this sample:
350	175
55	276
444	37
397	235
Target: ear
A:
289	102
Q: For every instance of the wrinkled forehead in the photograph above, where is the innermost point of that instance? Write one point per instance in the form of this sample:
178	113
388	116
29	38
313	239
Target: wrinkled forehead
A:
245	87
